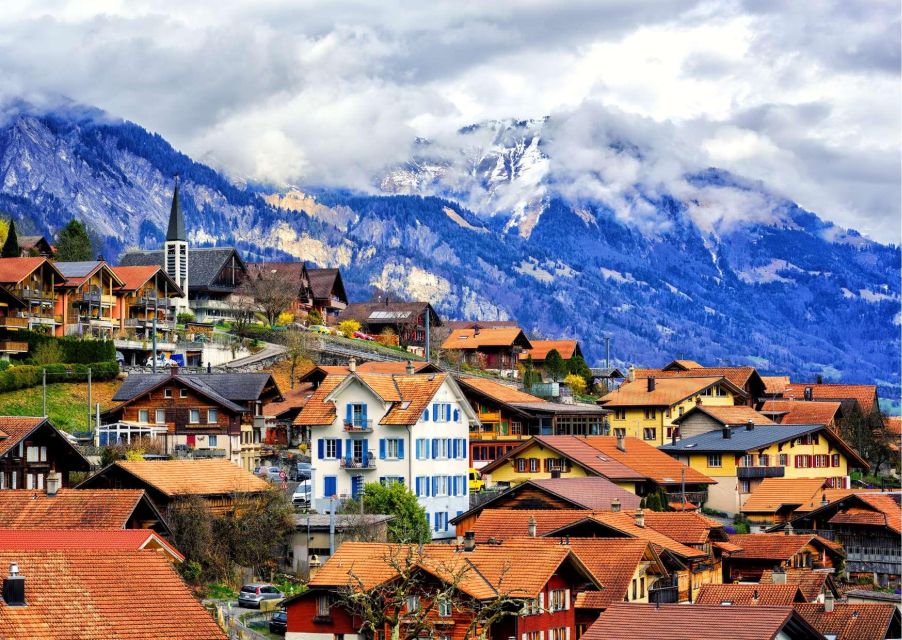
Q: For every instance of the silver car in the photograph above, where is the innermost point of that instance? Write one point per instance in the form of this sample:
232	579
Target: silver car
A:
251	595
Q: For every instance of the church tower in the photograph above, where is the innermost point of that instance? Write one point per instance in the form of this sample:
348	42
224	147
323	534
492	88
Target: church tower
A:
176	248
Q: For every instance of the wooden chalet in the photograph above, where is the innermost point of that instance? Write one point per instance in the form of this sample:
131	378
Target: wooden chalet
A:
329	297
493	349
36	455
407	320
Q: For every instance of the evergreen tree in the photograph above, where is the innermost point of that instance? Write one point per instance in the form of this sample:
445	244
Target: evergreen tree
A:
555	366
73	243
11	246
578	366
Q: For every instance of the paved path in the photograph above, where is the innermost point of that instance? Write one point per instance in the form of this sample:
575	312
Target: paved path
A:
269	352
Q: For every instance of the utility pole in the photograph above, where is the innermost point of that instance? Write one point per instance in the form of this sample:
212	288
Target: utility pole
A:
607	352
428	337
44	393
155	302
90	408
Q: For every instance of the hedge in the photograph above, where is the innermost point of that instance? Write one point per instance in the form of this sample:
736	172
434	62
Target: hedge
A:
26	375
74	349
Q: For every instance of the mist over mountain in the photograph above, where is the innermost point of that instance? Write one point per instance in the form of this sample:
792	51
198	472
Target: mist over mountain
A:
576	228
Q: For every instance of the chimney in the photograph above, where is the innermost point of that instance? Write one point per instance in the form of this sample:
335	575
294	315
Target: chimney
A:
640	517
750	425
755	596
828	601
824	501
531	526
778	576
673	434
53	483
469	541
621	442
698	400
209	368
352	364
808	394
475	329
788	530
727	434
631	373
173	371
14	588
410	370
651	384
615	505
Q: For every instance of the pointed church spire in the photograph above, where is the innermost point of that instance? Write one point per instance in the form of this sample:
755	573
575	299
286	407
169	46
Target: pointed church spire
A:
176	219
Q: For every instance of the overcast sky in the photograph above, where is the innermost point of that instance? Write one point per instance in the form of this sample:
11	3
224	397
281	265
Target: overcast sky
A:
804	96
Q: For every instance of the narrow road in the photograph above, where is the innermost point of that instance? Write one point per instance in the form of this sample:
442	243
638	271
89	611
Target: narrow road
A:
269	350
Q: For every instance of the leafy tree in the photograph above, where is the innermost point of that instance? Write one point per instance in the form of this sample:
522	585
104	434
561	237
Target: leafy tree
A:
348	327
530	375
4	228
185	317
410	523
73	243
191	523
263	525
555	367
314	317
576	383
576	365
11	244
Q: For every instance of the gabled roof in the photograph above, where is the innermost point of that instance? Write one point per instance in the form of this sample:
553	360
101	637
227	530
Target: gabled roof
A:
712	622
488	324
667	391
811	582
327	282
865	395
686	527
778	546
600	455
96	539
470	339
498	391
738	376
113	595
133	278
852	621
69	508
774	494
801	412
317	411
15	429
774	385
175	478
567	349
733	415
750	595
204	264
228	389
14	270
681	365
613	562
762	436
77	273
390	313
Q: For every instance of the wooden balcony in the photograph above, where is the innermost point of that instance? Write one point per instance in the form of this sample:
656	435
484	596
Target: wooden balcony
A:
12	346
358	426
747	473
12	322
36	294
490	416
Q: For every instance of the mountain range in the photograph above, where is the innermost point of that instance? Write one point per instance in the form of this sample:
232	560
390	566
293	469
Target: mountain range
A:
505	220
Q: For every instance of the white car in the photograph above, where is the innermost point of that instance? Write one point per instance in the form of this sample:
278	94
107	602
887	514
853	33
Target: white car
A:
162	361
301	495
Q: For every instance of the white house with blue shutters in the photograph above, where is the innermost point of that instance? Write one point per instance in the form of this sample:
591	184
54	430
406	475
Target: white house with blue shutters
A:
411	428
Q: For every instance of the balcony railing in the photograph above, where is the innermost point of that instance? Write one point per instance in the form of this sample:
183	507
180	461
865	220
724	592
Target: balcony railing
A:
36	294
359	426
695	497
94	297
149	301
12	322
10	346
747	473
358	463
490	416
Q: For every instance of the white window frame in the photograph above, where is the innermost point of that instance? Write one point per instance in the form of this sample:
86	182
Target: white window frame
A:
327	444
392	448
157	414
212	416
191	416
715	461
144	416
444	609
183	393
167	393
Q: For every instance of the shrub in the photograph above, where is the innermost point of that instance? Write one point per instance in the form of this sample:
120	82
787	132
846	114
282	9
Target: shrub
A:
48	352
285	317
577	383
185	316
314	317
348	327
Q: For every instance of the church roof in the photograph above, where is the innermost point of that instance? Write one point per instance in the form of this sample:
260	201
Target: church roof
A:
176	229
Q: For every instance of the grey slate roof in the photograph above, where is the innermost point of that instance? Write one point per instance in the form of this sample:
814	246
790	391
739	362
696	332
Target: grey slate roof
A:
229	389
77	269
320	521
324	282
372	313
203	264
176	229
742	439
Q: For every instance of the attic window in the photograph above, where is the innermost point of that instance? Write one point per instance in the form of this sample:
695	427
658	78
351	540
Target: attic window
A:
604	458
405	404
726	603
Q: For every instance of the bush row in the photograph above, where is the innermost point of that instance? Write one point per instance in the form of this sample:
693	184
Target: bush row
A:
74	349
26	375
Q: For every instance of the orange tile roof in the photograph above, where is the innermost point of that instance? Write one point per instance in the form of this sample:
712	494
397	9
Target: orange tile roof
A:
849	621
14	428
801	412
893	425
774	493
832	495
864	394
879	509
414	395
739	376
194	477
317	411
540	348
679	622
68	509
504	393
777	546
14	270
684	364
613	562
733	415
685	527
625	522
490	337
114	595
135	277
747	595
667	392
97	539
775	384
810	582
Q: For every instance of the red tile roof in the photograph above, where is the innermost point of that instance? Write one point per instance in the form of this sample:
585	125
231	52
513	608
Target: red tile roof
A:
14	270
135	277
194	477
14	428
739	376
864	394
490	337
688	528
811	582
850	621
499	391
68	509
775	493
732	415
879	509
679	622
114	595
774	385
801	412
613	562
748	595
540	349
96	539
590	493
778	546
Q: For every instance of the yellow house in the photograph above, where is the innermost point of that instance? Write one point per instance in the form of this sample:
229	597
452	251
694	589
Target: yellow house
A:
646	408
739	458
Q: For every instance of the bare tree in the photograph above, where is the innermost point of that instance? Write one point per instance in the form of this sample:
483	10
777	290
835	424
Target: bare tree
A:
271	292
296	352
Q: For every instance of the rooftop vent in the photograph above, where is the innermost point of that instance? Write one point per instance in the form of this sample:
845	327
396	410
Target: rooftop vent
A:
14	587
727	433
640	518
531	527
750	425
469	540
621	443
651	384
615	505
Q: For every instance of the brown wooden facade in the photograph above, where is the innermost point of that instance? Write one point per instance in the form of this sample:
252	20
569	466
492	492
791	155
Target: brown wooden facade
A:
31	449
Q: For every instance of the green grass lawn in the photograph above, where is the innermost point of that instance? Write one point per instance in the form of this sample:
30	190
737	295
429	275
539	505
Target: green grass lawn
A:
67	403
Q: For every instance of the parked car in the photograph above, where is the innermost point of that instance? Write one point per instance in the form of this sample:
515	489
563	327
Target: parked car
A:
300	471
278	624
476	483
301	495
318	328
360	335
162	361
273	473
251	595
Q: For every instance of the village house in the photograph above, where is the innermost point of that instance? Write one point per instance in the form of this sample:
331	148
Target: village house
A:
34	281
71	591
703	418
221	484
508	416
566	349
631	464
800	412
648	408
750	595
778	500
443	590
101	541
12	309
145	301
745	378
293	274
759	552
87	299
861	398
309	546
32	246
739	458
411	322
853	621
711	622
198	414
34	454
492	349
867	525
93	509
329	297
813	583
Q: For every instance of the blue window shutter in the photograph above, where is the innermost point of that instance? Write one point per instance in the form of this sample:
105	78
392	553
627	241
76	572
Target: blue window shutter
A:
401	449
453	451
338	448
435	447
426	415
420	449
364	448
463	483
382	448
459	513
436	520
329	486
434	485
446	520
453	485
418	486
456	415
349	412
320	448
435	413
363	415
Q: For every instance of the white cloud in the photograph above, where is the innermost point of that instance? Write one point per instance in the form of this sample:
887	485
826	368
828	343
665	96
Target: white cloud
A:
803	96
